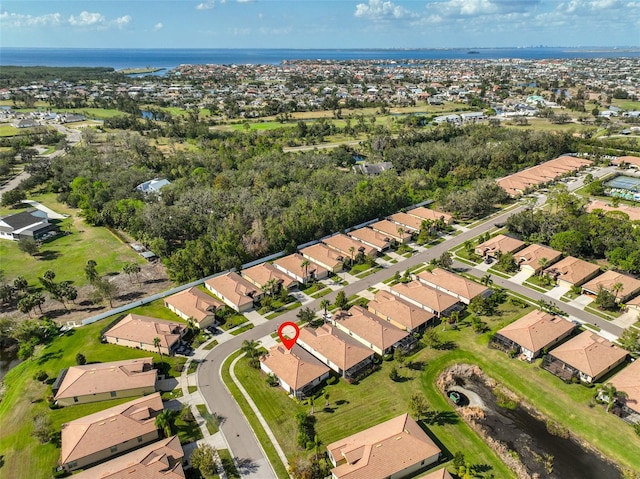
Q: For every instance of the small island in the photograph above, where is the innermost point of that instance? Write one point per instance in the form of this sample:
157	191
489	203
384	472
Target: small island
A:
139	71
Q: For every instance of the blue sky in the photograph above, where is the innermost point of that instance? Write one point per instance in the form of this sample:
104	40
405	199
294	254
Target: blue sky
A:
318	24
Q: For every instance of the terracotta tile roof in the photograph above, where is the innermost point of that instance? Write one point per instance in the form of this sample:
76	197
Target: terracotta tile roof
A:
536	330
390	228
336	346
533	253
607	279
106	377
382	450
589	353
143	329
550	170
160	460
401	311
439	474
572	270
194	303
265	272
370	327
406	220
321	253
372	237
501	243
425	295
234	288
455	283
632	211
628	380
429	214
296	367
293	263
99	431
341	243
632	160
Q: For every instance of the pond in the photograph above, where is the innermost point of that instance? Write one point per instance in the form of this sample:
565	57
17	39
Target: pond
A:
541	452
8	359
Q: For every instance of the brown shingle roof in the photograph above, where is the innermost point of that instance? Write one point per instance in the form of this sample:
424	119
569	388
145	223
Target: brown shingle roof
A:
390	228
425	295
536	330
382	450
106	377
533	253
401	311
428	214
589	353
322	254
370	327
628	380
265	272
439	474
234	288
572	270
293	263
194	303
501	243
160	460
334	345
341	243
143	329
296	367
99	431
406	220
455	283
367	235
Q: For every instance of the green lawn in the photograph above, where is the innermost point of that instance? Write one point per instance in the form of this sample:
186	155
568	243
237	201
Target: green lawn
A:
67	255
210	420
25	397
233	321
376	398
188	431
157	309
227	464
242	329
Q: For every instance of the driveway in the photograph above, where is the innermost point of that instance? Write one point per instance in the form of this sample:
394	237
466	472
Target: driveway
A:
521	277
557	292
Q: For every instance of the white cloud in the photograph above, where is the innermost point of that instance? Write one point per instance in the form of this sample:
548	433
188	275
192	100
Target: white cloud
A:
122	22
205	5
379	10
86	19
18	20
245	1
158	26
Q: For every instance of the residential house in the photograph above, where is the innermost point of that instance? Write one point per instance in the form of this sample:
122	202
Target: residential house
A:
628	381
499	244
195	304
572	271
402	314
533	333
102	435
159	460
29	224
632	211
408	222
587	357
629	286
103	381
374	239
261	274
295	266
153	186
372	169
453	284
349	247
236	292
324	256
393	230
26	123
426	214
393	449
140	332
370	330
535	257
439	474
426	297
634	304
336	349
298	371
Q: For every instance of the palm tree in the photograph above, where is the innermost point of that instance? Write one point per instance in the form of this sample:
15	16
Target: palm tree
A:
305	267
324	304
271	287
610	394
616	288
352	250
166	421
486	280
250	348
543	263
156	343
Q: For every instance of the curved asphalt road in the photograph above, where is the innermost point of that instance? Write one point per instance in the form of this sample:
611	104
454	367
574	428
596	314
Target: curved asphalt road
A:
235	427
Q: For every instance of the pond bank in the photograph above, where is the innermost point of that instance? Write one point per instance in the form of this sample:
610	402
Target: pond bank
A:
528	443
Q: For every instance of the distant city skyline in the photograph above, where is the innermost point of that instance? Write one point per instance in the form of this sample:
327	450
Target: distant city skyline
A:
312	24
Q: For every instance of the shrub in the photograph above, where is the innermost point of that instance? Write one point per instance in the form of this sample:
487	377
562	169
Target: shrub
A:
42	428
393	374
272	380
332	380
80	359
40	375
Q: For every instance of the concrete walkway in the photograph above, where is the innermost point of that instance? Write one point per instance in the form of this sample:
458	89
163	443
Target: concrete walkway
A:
520	277
557	292
52	215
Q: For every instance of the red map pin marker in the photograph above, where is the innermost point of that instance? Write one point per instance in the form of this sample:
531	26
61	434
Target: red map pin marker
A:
286	338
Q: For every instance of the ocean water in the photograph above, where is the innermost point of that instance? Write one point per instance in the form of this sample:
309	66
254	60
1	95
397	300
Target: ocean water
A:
171	58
